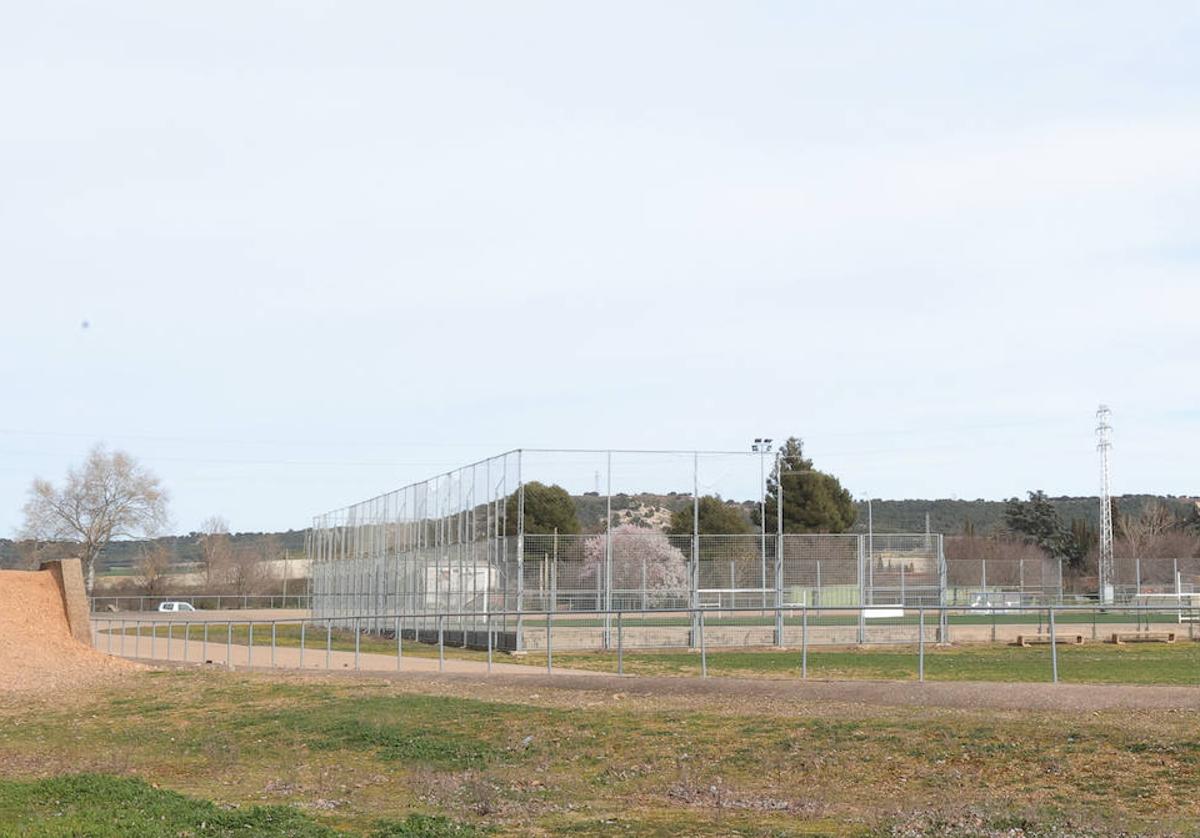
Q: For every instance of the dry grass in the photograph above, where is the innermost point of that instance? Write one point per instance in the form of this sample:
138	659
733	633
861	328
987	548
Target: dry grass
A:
541	760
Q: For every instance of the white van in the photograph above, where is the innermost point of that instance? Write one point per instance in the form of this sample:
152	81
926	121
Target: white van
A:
175	607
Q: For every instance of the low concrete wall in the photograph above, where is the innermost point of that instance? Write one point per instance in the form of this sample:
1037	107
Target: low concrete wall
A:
68	573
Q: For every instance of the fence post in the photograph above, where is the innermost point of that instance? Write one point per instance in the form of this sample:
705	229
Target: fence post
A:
487	624
229	645
122	638
273	644
1053	647
110	637
780	544
442	644
137	638
204	645
520	639
187	642
302	626
357	642
400	644
862	593
549	647
921	644
703	649
620	643
804	641
328	643
250	644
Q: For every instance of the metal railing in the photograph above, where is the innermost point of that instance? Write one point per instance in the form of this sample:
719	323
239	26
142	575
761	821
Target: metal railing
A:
214	602
339	641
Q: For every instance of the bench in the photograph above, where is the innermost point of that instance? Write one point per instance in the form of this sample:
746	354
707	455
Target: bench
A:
1032	639
1120	637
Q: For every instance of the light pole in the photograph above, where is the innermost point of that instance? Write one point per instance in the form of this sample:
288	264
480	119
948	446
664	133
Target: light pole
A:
762	446
870	551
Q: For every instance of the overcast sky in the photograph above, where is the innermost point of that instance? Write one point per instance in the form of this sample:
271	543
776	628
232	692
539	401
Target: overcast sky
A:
326	249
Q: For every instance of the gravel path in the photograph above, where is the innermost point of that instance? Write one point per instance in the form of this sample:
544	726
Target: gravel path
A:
158	650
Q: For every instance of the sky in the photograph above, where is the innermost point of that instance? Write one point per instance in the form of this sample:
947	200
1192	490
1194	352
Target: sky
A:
326	249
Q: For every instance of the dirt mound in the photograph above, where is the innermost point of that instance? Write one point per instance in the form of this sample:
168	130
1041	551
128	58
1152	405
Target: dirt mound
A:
37	651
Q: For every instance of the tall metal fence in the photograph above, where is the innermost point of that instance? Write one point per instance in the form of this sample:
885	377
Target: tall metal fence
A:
461	543
623	570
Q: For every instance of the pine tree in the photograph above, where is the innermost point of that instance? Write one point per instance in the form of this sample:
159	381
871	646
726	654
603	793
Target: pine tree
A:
813	501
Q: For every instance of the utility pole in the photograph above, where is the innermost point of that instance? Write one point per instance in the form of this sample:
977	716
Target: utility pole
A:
1104	445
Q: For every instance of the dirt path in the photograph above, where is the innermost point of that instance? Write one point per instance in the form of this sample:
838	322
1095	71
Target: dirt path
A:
752	693
240	656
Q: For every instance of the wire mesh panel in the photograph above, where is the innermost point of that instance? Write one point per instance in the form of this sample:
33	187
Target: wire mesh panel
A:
979	582
822	570
904	570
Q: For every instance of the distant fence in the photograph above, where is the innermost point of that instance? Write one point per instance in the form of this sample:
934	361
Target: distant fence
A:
217	602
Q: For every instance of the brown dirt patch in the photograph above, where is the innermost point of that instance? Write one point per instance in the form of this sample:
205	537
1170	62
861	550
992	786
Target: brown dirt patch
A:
756	696
37	652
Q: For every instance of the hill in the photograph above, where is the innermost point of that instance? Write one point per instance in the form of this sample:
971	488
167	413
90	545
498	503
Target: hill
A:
119	557
951	516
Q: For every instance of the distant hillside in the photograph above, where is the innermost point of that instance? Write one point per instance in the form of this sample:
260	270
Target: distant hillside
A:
120	556
951	516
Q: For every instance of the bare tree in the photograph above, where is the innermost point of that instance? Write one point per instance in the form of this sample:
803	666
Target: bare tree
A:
152	567
249	571
111	496
1009	561
216	551
1144	536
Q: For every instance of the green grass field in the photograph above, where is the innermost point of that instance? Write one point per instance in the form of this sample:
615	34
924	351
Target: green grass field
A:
104	806
195	753
1095	663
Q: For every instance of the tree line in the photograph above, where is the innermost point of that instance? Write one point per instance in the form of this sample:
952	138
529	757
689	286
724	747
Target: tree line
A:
1154	532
